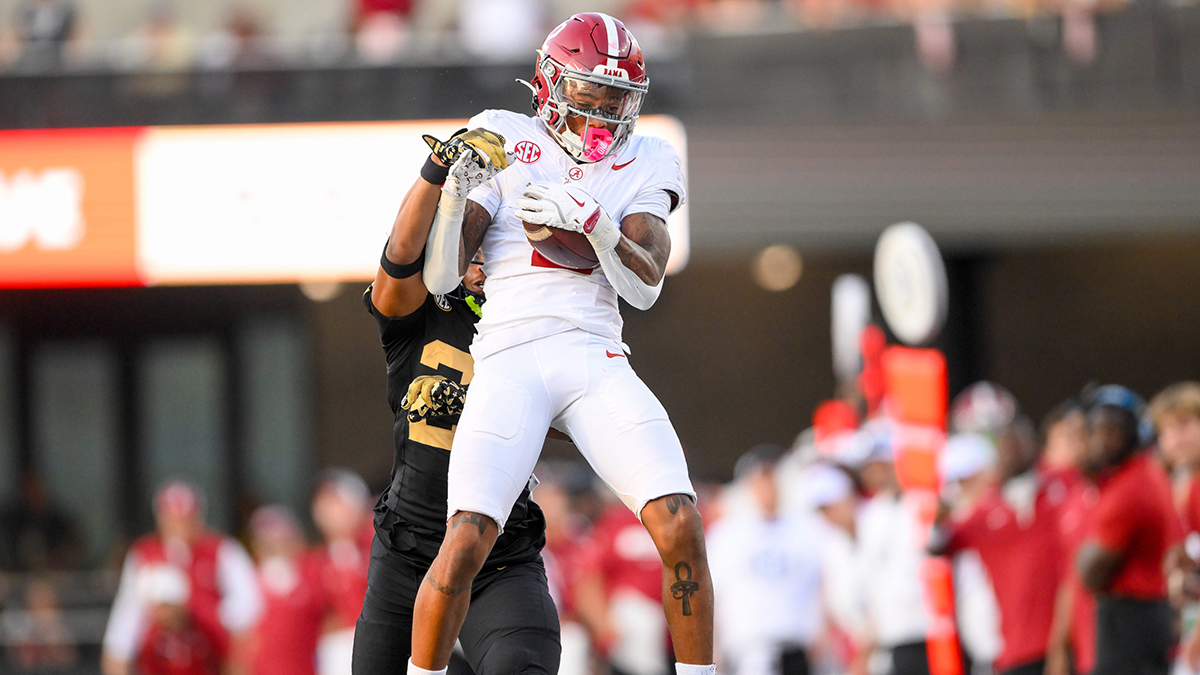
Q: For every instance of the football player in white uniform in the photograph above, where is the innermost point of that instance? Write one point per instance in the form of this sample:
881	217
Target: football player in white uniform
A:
548	353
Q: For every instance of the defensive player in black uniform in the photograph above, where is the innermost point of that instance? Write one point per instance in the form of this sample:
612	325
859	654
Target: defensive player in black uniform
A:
512	626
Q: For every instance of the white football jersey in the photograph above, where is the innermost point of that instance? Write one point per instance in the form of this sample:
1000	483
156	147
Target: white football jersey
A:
527	296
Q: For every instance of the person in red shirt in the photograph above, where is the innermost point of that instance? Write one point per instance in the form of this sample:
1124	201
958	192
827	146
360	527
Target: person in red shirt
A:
618	594
1014	529
1064	458
341	504
223	599
1175	412
175	643
1134	527
294	604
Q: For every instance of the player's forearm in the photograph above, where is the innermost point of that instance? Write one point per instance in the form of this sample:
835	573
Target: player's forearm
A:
636	263
628	283
442	253
475	222
639	261
410	230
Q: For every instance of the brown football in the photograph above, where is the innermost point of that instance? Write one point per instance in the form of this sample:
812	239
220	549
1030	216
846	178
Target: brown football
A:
562	247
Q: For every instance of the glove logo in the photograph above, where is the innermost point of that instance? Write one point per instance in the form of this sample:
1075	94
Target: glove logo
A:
527	152
590	223
575	173
575	200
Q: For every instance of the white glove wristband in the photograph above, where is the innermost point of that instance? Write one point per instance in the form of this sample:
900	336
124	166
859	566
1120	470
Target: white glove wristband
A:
605	235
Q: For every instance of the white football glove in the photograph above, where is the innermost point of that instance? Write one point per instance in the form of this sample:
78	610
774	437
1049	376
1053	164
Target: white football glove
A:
474	157
466	175
569	208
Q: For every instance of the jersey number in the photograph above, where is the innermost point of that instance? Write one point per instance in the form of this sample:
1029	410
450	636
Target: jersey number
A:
454	364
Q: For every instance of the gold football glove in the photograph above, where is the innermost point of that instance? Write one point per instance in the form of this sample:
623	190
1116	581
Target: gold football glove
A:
486	147
432	396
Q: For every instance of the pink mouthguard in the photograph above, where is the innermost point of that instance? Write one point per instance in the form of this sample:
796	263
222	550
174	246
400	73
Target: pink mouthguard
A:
596	143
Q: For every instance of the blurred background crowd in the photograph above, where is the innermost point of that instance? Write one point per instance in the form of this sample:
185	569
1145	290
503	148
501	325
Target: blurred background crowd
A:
816	555
1052	148
40	36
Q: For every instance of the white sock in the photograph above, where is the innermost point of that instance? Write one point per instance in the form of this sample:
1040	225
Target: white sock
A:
689	669
413	670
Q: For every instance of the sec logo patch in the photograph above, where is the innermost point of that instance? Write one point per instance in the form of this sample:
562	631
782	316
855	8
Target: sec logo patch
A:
527	152
575	173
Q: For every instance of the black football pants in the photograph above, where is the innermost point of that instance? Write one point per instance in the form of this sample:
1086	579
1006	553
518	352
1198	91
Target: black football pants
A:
511	627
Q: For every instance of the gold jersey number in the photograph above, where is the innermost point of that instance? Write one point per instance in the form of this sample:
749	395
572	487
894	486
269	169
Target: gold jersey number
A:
441	357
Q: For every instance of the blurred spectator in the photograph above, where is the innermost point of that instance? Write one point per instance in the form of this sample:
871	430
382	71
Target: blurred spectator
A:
1175	412
766	570
178	585
294	602
890	554
967	466
341	510
1064	431
1073	639
618	595
37	637
968	469
43	28
982	408
501	30
561	555
236	43
175	643
382	38
36	535
381	29
1133	529
367	9
161	43
831	492
1014	527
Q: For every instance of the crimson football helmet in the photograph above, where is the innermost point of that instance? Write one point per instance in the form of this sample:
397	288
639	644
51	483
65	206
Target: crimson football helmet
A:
590	66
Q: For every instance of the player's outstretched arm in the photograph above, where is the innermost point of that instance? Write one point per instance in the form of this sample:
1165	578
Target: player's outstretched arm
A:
399	288
474	157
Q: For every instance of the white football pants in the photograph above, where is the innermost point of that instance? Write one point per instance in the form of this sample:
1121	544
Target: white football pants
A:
582	385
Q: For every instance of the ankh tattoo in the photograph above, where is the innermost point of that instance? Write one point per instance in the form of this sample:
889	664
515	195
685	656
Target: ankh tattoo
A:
683	588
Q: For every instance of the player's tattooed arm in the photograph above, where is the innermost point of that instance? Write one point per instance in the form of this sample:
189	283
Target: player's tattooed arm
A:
478	520
476	221
645	246
673	502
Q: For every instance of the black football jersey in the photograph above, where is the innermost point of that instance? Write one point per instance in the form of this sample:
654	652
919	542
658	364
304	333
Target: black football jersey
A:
410	517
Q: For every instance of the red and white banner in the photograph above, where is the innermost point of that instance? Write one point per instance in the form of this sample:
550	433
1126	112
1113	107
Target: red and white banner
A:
67	208
218	205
